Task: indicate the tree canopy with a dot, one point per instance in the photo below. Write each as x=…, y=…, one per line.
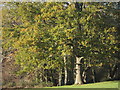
x=42, y=34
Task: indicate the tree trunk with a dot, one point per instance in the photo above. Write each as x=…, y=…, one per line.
x=112, y=71
x=70, y=71
x=84, y=76
x=60, y=78
x=65, y=69
x=93, y=76
x=78, y=79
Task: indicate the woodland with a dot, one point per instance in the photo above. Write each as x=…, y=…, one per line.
x=60, y=43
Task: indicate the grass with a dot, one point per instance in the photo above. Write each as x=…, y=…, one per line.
x=107, y=84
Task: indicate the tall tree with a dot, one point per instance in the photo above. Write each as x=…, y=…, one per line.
x=44, y=34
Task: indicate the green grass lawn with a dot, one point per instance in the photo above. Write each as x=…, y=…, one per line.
x=107, y=84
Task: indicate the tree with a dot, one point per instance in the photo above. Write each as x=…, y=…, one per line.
x=46, y=36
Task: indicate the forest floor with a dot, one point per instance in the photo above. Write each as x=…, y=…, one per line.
x=107, y=84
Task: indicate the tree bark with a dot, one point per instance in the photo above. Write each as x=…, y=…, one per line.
x=93, y=72
x=84, y=74
x=78, y=79
x=60, y=78
x=84, y=77
x=65, y=69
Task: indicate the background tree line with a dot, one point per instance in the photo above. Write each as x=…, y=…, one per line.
x=63, y=43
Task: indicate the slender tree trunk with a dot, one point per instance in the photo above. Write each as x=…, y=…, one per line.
x=78, y=79
x=70, y=71
x=84, y=77
x=65, y=69
x=84, y=74
x=60, y=78
x=113, y=70
x=93, y=71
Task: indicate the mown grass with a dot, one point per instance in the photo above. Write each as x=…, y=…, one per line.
x=107, y=84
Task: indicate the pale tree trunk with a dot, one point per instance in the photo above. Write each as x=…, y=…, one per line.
x=84, y=74
x=78, y=79
x=65, y=69
x=84, y=77
x=60, y=78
